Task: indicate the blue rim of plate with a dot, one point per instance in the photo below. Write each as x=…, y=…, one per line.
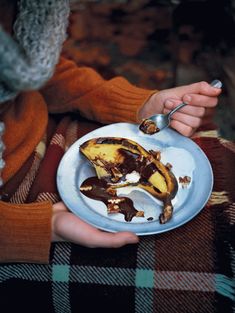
x=73, y=163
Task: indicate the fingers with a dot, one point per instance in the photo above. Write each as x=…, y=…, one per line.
x=195, y=106
x=183, y=129
x=187, y=119
x=202, y=88
x=188, y=109
x=113, y=240
x=190, y=117
x=200, y=100
x=73, y=229
x=187, y=125
x=192, y=121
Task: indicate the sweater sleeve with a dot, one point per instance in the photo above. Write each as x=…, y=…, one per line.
x=82, y=89
x=25, y=232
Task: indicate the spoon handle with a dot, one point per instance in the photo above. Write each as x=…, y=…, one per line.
x=215, y=83
x=181, y=105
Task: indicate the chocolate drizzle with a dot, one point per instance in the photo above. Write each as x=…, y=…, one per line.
x=98, y=189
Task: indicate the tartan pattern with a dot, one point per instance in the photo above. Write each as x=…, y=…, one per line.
x=189, y=269
x=23, y=190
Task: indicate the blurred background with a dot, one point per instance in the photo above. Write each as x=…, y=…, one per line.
x=159, y=44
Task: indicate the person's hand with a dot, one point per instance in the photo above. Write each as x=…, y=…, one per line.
x=200, y=97
x=68, y=227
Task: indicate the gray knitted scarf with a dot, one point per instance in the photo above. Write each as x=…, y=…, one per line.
x=28, y=60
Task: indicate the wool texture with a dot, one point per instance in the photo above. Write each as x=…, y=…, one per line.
x=28, y=60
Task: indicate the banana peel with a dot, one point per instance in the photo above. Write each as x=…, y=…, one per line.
x=123, y=162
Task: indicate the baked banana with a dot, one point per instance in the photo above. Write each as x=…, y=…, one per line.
x=123, y=162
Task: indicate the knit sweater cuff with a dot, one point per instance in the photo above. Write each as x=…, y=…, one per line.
x=116, y=101
x=25, y=234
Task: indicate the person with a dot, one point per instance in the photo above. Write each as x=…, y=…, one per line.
x=38, y=87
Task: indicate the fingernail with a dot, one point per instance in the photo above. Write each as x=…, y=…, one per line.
x=187, y=99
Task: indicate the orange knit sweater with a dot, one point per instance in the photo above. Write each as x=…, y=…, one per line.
x=25, y=229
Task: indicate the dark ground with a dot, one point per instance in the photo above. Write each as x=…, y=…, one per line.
x=159, y=44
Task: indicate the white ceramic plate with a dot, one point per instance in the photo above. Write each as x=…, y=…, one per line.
x=182, y=153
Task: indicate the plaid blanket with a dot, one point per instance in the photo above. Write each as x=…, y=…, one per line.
x=189, y=269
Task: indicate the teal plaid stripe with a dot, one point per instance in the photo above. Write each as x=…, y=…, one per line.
x=143, y=278
x=140, y=278
x=60, y=273
x=60, y=278
x=144, y=281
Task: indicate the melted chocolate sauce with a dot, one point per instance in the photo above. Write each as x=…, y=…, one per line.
x=98, y=189
x=133, y=162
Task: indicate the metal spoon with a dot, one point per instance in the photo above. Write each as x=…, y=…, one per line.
x=163, y=120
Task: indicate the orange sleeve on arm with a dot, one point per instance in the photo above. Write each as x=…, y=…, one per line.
x=25, y=232
x=83, y=89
